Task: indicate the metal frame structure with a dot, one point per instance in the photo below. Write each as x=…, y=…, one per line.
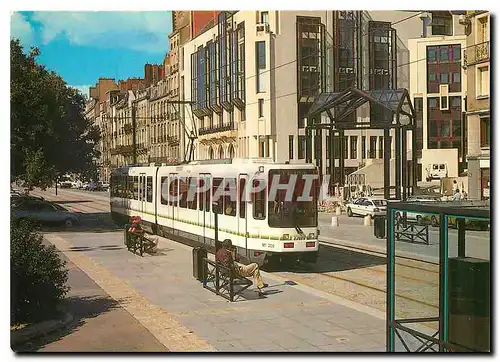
x=394, y=104
x=461, y=211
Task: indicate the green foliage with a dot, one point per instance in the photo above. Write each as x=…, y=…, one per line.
x=49, y=133
x=38, y=275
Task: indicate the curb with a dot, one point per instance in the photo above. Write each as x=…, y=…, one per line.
x=40, y=329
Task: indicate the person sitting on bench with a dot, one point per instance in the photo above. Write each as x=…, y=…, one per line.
x=225, y=257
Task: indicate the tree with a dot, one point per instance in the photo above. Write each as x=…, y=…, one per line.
x=49, y=133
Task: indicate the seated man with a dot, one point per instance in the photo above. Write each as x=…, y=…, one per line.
x=225, y=257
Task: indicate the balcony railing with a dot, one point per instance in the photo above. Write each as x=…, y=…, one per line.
x=215, y=129
x=477, y=53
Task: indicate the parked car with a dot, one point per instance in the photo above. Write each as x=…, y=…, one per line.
x=66, y=184
x=44, y=212
x=367, y=206
x=420, y=218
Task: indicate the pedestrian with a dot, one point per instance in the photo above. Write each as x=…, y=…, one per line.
x=457, y=196
x=225, y=256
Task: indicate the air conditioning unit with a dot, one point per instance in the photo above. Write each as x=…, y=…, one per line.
x=263, y=28
x=463, y=20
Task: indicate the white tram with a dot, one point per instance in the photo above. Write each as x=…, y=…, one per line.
x=262, y=230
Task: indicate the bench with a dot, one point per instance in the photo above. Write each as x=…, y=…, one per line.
x=413, y=233
x=223, y=281
x=139, y=243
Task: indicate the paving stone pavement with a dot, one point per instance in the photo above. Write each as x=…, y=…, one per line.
x=162, y=294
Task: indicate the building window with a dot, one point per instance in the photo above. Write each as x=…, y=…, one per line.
x=419, y=120
x=346, y=148
x=381, y=147
x=363, y=147
x=442, y=23
x=483, y=77
x=264, y=17
x=262, y=148
x=444, y=103
x=373, y=147
x=303, y=109
x=260, y=64
x=354, y=147
x=444, y=66
x=302, y=147
x=483, y=32
x=261, y=108
x=310, y=54
x=485, y=132
x=443, y=126
x=290, y=147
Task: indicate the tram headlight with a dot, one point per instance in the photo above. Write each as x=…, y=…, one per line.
x=311, y=236
x=285, y=237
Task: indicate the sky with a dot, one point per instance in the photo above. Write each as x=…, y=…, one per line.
x=83, y=46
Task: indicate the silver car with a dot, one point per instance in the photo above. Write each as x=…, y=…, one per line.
x=44, y=212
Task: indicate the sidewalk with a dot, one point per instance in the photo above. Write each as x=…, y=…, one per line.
x=161, y=294
x=100, y=324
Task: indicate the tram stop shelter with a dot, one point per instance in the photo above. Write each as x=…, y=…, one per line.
x=439, y=298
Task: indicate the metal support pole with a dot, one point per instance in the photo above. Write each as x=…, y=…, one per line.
x=404, y=161
x=414, y=165
x=398, y=154
x=215, y=207
x=318, y=149
x=308, y=145
x=387, y=165
x=56, y=186
x=443, y=262
x=341, y=180
x=332, y=158
x=461, y=237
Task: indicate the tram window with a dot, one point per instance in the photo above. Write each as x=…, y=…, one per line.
x=149, y=189
x=215, y=185
x=208, y=196
x=135, y=190
x=130, y=187
x=242, y=200
x=172, y=198
x=259, y=201
x=183, y=186
x=192, y=203
x=199, y=194
x=230, y=203
x=164, y=190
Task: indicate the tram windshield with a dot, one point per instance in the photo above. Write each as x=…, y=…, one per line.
x=293, y=212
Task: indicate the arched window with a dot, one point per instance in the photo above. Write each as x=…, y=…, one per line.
x=210, y=153
x=221, y=152
x=230, y=151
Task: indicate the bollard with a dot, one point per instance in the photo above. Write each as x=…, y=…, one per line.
x=338, y=211
x=335, y=221
x=368, y=220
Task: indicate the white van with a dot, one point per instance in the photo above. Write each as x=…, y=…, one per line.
x=436, y=171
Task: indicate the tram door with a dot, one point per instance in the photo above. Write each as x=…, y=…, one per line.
x=243, y=205
x=142, y=193
x=205, y=206
x=173, y=191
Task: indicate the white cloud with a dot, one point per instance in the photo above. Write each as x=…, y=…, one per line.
x=21, y=29
x=83, y=88
x=142, y=31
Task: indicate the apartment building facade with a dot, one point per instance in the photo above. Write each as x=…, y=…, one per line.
x=253, y=76
x=438, y=86
x=476, y=61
